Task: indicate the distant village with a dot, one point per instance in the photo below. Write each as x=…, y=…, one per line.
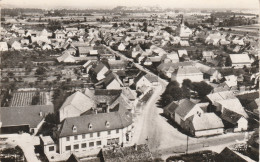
x=84, y=89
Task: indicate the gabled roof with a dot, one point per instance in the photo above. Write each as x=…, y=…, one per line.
x=188, y=70
x=171, y=107
x=240, y=58
x=233, y=105
x=73, y=158
x=109, y=77
x=185, y=106
x=27, y=115
x=213, y=97
x=79, y=101
x=206, y=121
x=99, y=67
x=230, y=116
x=117, y=120
x=229, y=155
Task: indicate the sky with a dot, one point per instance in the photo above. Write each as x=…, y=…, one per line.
x=81, y=4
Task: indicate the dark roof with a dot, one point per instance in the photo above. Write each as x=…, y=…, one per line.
x=171, y=107
x=185, y=106
x=230, y=116
x=128, y=154
x=99, y=67
x=117, y=120
x=73, y=158
x=229, y=155
x=28, y=115
x=109, y=77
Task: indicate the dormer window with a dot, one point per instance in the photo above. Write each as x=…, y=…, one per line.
x=107, y=124
x=74, y=129
x=90, y=126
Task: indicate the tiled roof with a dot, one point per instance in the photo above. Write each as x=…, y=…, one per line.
x=230, y=116
x=206, y=121
x=185, y=106
x=188, y=70
x=79, y=101
x=28, y=115
x=171, y=107
x=117, y=120
x=239, y=58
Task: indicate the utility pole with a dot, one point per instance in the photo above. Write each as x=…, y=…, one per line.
x=187, y=148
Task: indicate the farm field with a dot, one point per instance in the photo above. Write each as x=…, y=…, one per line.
x=25, y=98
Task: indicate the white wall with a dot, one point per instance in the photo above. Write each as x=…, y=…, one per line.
x=68, y=111
x=103, y=138
x=209, y=132
x=242, y=125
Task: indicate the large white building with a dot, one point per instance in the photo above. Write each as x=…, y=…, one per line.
x=94, y=131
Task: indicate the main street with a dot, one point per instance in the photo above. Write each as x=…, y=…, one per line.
x=162, y=138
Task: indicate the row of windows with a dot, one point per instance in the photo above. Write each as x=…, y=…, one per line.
x=91, y=135
x=83, y=145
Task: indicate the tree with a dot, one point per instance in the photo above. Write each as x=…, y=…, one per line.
x=202, y=88
x=40, y=70
x=115, y=25
x=36, y=98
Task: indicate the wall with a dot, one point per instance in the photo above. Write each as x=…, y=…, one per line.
x=103, y=138
x=209, y=132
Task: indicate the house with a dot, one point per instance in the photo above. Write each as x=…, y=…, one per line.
x=112, y=81
x=66, y=57
x=232, y=105
x=228, y=154
x=143, y=79
x=75, y=105
x=136, y=153
x=208, y=55
x=48, y=145
x=117, y=65
x=60, y=34
x=93, y=132
x=231, y=80
x=100, y=70
x=121, y=47
x=3, y=46
x=174, y=57
x=205, y=124
x=23, y=118
x=187, y=72
x=240, y=60
x=16, y=45
x=169, y=110
x=233, y=120
x=182, y=53
x=219, y=96
x=46, y=47
x=212, y=74
x=184, y=43
x=84, y=51
x=185, y=109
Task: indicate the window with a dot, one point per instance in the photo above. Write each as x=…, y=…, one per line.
x=51, y=148
x=90, y=126
x=68, y=138
x=68, y=148
x=91, y=144
x=91, y=134
x=108, y=132
x=98, y=143
x=109, y=142
x=83, y=136
x=117, y=131
x=83, y=145
x=76, y=146
x=74, y=128
x=107, y=124
x=75, y=137
x=98, y=134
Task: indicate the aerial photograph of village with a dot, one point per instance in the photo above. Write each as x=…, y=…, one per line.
x=129, y=81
